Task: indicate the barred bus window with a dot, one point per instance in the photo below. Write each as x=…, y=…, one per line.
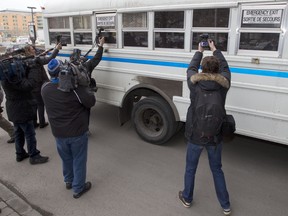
x=135, y=31
x=218, y=17
x=136, y=39
x=83, y=38
x=66, y=37
x=259, y=41
x=58, y=23
x=171, y=19
x=220, y=40
x=169, y=40
x=82, y=22
x=134, y=20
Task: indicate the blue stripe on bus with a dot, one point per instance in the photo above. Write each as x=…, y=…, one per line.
x=270, y=73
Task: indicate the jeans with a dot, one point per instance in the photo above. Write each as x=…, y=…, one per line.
x=73, y=152
x=22, y=131
x=214, y=156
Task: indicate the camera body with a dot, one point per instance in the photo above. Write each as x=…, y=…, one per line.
x=204, y=40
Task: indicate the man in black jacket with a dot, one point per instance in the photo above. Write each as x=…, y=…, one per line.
x=21, y=108
x=215, y=76
x=39, y=77
x=68, y=113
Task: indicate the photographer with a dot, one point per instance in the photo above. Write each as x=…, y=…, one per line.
x=39, y=77
x=68, y=113
x=92, y=63
x=212, y=83
x=21, y=108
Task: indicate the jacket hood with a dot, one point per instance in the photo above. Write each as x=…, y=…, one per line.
x=218, y=78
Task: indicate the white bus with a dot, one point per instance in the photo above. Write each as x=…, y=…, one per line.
x=150, y=46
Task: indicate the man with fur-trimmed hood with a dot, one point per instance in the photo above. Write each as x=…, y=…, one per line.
x=215, y=76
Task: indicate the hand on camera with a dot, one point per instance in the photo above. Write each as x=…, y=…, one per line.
x=200, y=48
x=59, y=46
x=101, y=41
x=211, y=45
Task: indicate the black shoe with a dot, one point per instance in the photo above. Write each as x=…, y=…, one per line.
x=68, y=185
x=87, y=187
x=36, y=125
x=183, y=201
x=22, y=157
x=38, y=159
x=43, y=125
x=11, y=140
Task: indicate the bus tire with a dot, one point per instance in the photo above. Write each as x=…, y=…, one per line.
x=154, y=120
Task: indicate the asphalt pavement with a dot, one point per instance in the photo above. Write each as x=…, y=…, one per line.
x=133, y=178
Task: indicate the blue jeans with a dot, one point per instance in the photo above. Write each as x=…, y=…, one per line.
x=214, y=156
x=25, y=131
x=73, y=152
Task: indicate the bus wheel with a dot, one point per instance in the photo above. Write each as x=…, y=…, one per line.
x=154, y=120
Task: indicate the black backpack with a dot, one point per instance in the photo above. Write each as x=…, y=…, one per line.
x=209, y=113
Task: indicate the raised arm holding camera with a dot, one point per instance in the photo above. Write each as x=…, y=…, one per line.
x=39, y=75
x=208, y=91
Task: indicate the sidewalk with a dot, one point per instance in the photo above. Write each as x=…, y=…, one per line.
x=14, y=205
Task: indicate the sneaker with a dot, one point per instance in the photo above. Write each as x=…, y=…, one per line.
x=68, y=185
x=38, y=159
x=87, y=187
x=11, y=140
x=22, y=157
x=43, y=125
x=183, y=201
x=227, y=211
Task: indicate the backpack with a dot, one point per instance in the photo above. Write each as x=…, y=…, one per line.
x=12, y=70
x=209, y=113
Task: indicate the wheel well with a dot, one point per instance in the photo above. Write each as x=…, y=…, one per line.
x=135, y=94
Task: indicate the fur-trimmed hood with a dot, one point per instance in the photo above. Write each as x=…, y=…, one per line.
x=221, y=80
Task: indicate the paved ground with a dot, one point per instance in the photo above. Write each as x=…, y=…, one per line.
x=133, y=178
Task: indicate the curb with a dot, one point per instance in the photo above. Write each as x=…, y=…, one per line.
x=13, y=205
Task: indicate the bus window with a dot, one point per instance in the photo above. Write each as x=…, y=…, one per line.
x=135, y=31
x=82, y=30
x=261, y=27
x=136, y=39
x=167, y=26
x=220, y=40
x=169, y=40
x=59, y=26
x=107, y=23
x=59, y=23
x=83, y=38
x=66, y=37
x=216, y=24
x=259, y=41
x=171, y=19
x=218, y=17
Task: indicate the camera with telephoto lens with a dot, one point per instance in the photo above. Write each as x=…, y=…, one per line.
x=204, y=40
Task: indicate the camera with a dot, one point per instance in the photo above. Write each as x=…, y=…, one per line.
x=204, y=40
x=58, y=40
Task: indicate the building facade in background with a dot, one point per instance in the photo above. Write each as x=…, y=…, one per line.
x=14, y=23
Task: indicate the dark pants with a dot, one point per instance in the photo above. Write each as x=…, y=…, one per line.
x=40, y=109
x=25, y=131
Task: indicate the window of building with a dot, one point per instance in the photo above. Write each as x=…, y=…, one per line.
x=261, y=28
x=169, y=29
x=215, y=23
x=135, y=30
